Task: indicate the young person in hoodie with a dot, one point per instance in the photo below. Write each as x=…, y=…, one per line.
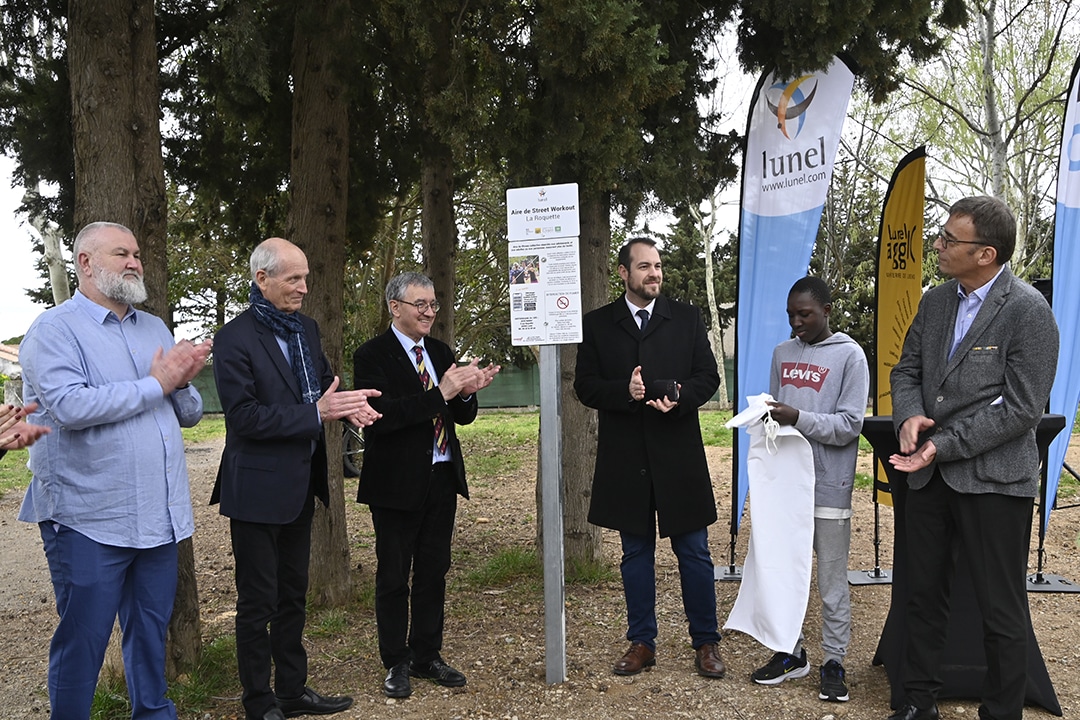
x=821, y=382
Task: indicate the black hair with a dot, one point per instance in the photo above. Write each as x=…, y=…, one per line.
x=817, y=288
x=624, y=251
x=993, y=222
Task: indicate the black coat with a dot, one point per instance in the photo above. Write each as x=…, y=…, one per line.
x=649, y=464
x=398, y=446
x=274, y=444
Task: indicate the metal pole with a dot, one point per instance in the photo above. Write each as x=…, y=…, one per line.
x=552, y=493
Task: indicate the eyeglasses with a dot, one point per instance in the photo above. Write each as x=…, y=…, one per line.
x=947, y=240
x=423, y=306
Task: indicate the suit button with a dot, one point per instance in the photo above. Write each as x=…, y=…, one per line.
x=941, y=398
x=643, y=471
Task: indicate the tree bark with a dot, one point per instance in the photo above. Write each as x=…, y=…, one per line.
x=120, y=177
x=438, y=226
x=581, y=540
x=318, y=191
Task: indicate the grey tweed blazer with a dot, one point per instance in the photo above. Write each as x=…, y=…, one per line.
x=987, y=400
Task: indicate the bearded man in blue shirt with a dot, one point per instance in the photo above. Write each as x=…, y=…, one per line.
x=110, y=485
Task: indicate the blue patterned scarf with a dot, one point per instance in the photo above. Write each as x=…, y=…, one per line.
x=289, y=328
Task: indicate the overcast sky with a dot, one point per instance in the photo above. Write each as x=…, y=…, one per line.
x=16, y=310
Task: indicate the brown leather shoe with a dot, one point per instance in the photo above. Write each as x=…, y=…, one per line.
x=708, y=661
x=636, y=659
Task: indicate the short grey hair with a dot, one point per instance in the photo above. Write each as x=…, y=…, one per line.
x=91, y=232
x=265, y=257
x=87, y=239
x=395, y=289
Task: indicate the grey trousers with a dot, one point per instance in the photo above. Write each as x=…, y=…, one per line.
x=832, y=541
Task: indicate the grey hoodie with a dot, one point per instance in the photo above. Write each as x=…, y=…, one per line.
x=829, y=384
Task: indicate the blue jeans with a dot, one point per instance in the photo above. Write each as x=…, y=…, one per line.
x=93, y=584
x=695, y=575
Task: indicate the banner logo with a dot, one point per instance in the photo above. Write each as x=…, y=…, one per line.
x=791, y=104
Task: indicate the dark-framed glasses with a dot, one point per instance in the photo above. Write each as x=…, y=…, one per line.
x=948, y=239
x=423, y=306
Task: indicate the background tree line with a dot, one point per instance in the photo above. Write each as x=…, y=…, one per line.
x=380, y=136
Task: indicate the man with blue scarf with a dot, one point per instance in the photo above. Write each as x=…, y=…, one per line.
x=277, y=390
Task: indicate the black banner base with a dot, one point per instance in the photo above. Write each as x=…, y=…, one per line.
x=1048, y=583
x=877, y=576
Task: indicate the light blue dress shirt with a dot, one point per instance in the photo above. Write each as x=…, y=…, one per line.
x=968, y=308
x=113, y=467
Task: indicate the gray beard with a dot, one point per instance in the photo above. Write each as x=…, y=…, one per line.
x=115, y=287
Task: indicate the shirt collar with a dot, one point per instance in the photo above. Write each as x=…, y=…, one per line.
x=99, y=313
x=634, y=308
x=407, y=342
x=980, y=292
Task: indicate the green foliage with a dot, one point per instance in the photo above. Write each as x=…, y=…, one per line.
x=110, y=699
x=214, y=677
x=591, y=573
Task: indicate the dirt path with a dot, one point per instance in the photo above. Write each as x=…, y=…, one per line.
x=496, y=634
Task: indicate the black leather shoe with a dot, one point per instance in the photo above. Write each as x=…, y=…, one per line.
x=397, y=684
x=910, y=712
x=312, y=703
x=438, y=671
x=274, y=713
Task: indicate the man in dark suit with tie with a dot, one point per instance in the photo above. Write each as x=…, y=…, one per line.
x=277, y=390
x=413, y=472
x=645, y=364
x=968, y=391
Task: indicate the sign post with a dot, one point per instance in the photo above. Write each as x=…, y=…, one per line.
x=545, y=309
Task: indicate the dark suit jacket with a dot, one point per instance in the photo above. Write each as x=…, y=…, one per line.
x=1010, y=352
x=643, y=454
x=274, y=444
x=398, y=447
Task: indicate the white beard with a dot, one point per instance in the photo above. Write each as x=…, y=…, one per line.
x=127, y=287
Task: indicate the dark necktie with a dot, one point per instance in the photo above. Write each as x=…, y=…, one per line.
x=644, y=315
x=440, y=430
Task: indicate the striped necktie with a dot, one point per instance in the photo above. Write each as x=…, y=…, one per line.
x=425, y=378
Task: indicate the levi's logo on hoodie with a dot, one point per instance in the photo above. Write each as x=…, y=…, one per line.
x=802, y=375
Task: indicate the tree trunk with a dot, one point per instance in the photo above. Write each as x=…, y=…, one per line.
x=318, y=191
x=438, y=226
x=581, y=539
x=119, y=177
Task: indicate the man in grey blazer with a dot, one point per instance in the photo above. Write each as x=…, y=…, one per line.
x=968, y=392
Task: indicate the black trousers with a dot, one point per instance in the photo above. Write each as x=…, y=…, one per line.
x=416, y=542
x=990, y=533
x=271, y=597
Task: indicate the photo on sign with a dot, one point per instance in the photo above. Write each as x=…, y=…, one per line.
x=525, y=270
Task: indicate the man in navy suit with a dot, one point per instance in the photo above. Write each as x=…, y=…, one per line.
x=412, y=474
x=277, y=390
x=968, y=391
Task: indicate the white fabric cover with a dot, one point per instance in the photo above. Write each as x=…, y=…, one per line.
x=775, y=588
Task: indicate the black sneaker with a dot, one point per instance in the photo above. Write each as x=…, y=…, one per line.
x=783, y=666
x=833, y=687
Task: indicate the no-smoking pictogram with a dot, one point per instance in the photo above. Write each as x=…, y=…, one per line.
x=563, y=302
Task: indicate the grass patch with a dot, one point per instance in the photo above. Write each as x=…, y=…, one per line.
x=214, y=677
x=508, y=566
x=331, y=622
x=864, y=481
x=110, y=699
x=211, y=427
x=13, y=472
x=1068, y=486
x=496, y=444
x=591, y=573
x=713, y=432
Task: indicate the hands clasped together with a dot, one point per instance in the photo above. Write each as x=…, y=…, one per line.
x=178, y=366
x=15, y=432
x=465, y=380
x=909, y=459
x=637, y=392
x=352, y=405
